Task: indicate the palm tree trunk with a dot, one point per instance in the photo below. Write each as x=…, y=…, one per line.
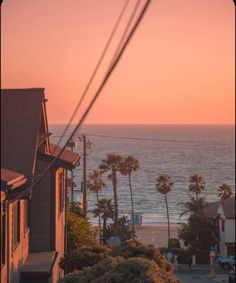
x=114, y=182
x=99, y=221
x=132, y=205
x=104, y=230
x=168, y=219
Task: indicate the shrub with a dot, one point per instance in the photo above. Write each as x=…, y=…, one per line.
x=130, y=249
x=83, y=257
x=120, y=270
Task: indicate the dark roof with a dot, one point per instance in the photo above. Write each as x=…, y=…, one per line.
x=20, y=119
x=68, y=159
x=228, y=206
x=39, y=263
x=11, y=180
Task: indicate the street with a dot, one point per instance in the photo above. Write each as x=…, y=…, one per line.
x=201, y=274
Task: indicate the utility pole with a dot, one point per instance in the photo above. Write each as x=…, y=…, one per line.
x=72, y=145
x=84, y=174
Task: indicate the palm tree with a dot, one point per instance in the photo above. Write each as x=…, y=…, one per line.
x=196, y=184
x=164, y=186
x=128, y=166
x=112, y=164
x=194, y=206
x=225, y=191
x=105, y=208
x=95, y=185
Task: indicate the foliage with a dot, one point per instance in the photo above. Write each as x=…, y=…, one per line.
x=79, y=231
x=199, y=234
x=83, y=257
x=225, y=191
x=120, y=270
x=105, y=209
x=196, y=184
x=194, y=205
x=112, y=164
x=174, y=244
x=164, y=186
x=76, y=208
x=121, y=229
x=130, y=249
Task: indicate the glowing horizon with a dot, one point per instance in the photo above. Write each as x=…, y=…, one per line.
x=179, y=68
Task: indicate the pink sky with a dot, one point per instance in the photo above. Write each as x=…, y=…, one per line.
x=178, y=69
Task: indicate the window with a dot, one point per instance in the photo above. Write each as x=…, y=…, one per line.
x=3, y=239
x=16, y=224
x=61, y=190
x=26, y=215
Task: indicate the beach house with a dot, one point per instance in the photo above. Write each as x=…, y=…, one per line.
x=33, y=234
x=223, y=212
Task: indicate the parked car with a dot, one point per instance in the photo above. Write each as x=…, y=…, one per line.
x=232, y=275
x=226, y=262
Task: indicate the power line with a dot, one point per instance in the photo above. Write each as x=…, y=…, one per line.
x=95, y=70
x=98, y=92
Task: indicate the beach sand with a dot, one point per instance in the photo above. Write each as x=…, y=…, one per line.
x=156, y=235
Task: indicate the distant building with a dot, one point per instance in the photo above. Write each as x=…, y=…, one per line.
x=223, y=212
x=32, y=223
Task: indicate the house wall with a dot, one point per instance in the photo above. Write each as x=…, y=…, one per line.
x=230, y=230
x=40, y=210
x=19, y=253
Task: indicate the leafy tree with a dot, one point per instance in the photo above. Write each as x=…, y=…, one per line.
x=79, y=232
x=164, y=186
x=76, y=208
x=95, y=185
x=83, y=257
x=127, y=167
x=120, y=229
x=199, y=234
x=196, y=185
x=112, y=164
x=120, y=270
x=130, y=249
x=194, y=205
x=105, y=208
x=225, y=191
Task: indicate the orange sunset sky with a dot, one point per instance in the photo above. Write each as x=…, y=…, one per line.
x=178, y=69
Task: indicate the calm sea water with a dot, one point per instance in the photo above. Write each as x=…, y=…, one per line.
x=178, y=151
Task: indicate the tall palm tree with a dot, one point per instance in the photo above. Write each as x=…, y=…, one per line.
x=164, y=186
x=128, y=166
x=225, y=191
x=196, y=184
x=105, y=208
x=112, y=164
x=95, y=185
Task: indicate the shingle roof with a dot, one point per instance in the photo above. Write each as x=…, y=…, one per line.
x=20, y=119
x=68, y=159
x=228, y=206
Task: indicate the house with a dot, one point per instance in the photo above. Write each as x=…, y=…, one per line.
x=223, y=212
x=31, y=253
x=226, y=213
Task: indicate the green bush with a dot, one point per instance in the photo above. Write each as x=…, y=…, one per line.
x=130, y=249
x=83, y=257
x=120, y=270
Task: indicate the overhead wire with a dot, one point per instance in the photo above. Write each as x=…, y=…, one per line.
x=107, y=45
x=94, y=99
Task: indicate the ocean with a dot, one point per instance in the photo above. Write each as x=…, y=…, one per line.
x=176, y=150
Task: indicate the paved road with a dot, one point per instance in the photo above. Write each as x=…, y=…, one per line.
x=197, y=275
